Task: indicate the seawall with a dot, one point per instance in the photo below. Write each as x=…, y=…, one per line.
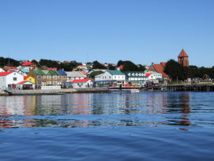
x=51, y=92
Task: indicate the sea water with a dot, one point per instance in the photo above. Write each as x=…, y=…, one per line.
x=108, y=126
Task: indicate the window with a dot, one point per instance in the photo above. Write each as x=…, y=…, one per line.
x=14, y=79
x=39, y=82
x=39, y=76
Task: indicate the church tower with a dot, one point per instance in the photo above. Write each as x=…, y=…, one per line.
x=183, y=58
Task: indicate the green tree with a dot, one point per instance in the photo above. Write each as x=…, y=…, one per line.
x=97, y=65
x=174, y=70
x=36, y=62
x=93, y=74
x=128, y=66
x=111, y=67
x=141, y=67
x=48, y=63
x=119, y=63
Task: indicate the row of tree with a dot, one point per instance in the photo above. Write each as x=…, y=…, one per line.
x=177, y=71
x=8, y=62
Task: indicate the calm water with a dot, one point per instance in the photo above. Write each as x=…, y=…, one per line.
x=139, y=126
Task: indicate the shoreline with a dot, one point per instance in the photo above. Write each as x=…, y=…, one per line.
x=53, y=92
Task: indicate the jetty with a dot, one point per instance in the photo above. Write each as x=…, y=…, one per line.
x=196, y=87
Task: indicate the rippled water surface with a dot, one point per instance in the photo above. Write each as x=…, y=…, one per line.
x=108, y=126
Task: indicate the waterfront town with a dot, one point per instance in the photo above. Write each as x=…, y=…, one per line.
x=48, y=74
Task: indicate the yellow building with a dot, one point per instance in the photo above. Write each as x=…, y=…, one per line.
x=29, y=79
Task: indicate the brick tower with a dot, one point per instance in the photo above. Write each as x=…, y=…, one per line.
x=183, y=58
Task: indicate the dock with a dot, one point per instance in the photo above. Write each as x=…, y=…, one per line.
x=197, y=87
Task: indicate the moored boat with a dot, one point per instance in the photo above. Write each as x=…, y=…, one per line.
x=124, y=88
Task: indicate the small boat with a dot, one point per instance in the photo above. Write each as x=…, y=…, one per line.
x=124, y=88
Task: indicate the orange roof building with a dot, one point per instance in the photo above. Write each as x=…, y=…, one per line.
x=183, y=58
x=159, y=68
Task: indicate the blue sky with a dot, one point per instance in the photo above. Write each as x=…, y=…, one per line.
x=143, y=31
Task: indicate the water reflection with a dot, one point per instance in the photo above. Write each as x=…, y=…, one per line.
x=179, y=103
x=85, y=110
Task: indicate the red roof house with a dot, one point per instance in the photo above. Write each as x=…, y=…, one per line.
x=10, y=68
x=81, y=83
x=80, y=80
x=159, y=68
x=5, y=73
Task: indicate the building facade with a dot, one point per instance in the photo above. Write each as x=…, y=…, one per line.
x=10, y=79
x=74, y=75
x=136, y=77
x=111, y=75
x=45, y=77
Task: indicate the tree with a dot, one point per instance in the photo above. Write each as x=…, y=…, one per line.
x=119, y=63
x=111, y=67
x=174, y=70
x=128, y=66
x=48, y=63
x=93, y=74
x=97, y=65
x=36, y=62
x=141, y=68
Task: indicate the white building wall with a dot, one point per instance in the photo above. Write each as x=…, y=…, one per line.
x=2, y=82
x=103, y=76
x=12, y=78
x=81, y=84
x=108, y=76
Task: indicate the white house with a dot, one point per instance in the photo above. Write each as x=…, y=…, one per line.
x=81, y=83
x=136, y=77
x=154, y=76
x=111, y=75
x=74, y=75
x=10, y=79
x=25, y=85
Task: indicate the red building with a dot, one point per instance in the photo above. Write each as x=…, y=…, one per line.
x=183, y=58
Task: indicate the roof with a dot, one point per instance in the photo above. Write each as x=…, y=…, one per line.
x=39, y=72
x=80, y=80
x=10, y=68
x=183, y=54
x=52, y=72
x=26, y=77
x=45, y=72
x=148, y=74
x=121, y=66
x=105, y=81
x=27, y=64
x=85, y=73
x=160, y=68
x=23, y=82
x=115, y=72
x=24, y=70
x=75, y=74
x=5, y=73
x=61, y=72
